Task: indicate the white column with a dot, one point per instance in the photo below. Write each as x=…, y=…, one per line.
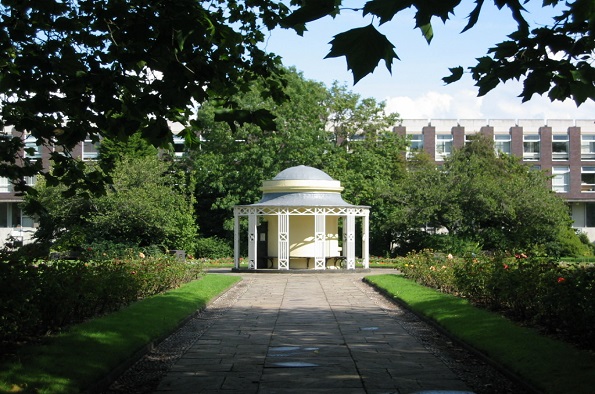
x=236, y=238
x=350, y=240
x=366, y=239
x=319, y=239
x=252, y=232
x=283, y=240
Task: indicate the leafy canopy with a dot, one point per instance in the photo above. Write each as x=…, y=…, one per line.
x=143, y=206
x=72, y=69
x=494, y=201
x=77, y=69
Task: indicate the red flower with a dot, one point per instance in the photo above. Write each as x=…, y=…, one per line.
x=505, y=266
x=561, y=280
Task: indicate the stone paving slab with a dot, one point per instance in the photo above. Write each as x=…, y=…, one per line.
x=301, y=333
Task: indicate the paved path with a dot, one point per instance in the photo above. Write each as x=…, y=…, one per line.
x=307, y=333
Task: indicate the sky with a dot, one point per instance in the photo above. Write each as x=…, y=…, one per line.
x=415, y=89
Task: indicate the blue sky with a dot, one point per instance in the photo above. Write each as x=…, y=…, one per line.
x=415, y=88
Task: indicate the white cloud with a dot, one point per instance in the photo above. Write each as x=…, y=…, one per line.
x=501, y=103
x=434, y=105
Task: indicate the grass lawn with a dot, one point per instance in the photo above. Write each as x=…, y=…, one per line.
x=549, y=365
x=80, y=357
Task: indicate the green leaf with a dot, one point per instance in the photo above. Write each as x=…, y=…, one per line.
x=363, y=49
x=474, y=15
x=455, y=74
x=310, y=11
x=385, y=9
x=581, y=91
x=238, y=117
x=427, y=32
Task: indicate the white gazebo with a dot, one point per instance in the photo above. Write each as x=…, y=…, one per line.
x=296, y=224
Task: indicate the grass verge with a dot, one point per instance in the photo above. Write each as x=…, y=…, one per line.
x=546, y=364
x=80, y=357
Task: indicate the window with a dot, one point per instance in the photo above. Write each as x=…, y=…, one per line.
x=502, y=143
x=90, y=151
x=587, y=179
x=588, y=147
x=531, y=147
x=590, y=219
x=560, y=147
x=179, y=146
x=31, y=180
x=32, y=150
x=5, y=185
x=469, y=138
x=12, y=216
x=416, y=144
x=443, y=145
x=561, y=179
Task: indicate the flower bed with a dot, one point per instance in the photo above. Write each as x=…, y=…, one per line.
x=46, y=296
x=556, y=297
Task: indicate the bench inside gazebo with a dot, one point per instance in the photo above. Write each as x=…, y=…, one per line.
x=296, y=224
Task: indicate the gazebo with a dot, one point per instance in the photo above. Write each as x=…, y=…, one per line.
x=296, y=224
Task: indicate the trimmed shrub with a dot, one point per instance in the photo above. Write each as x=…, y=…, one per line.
x=556, y=297
x=36, y=298
x=213, y=248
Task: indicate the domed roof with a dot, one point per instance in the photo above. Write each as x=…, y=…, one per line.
x=302, y=186
x=302, y=173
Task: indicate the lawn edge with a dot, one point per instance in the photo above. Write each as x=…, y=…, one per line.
x=103, y=383
x=505, y=370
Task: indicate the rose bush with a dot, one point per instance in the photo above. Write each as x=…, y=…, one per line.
x=558, y=298
x=46, y=296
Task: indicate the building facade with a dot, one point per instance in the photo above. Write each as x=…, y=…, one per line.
x=565, y=149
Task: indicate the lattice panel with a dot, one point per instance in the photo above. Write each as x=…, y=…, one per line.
x=283, y=241
x=252, y=258
x=319, y=239
x=246, y=210
x=350, y=241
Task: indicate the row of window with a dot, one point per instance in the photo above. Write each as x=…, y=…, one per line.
x=502, y=143
x=561, y=179
x=33, y=151
x=90, y=148
x=11, y=215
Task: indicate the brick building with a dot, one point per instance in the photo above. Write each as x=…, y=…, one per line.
x=563, y=148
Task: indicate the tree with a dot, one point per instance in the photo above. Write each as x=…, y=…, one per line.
x=332, y=129
x=369, y=170
x=77, y=69
x=555, y=59
x=112, y=152
x=142, y=207
x=232, y=163
x=492, y=200
x=81, y=69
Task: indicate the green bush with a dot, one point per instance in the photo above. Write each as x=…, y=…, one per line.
x=48, y=295
x=212, y=248
x=557, y=297
x=107, y=250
